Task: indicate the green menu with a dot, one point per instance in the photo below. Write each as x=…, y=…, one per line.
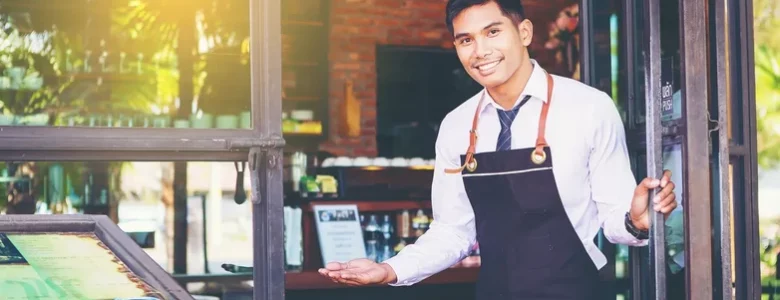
x=64, y=266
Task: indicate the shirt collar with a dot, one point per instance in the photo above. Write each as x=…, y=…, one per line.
x=536, y=88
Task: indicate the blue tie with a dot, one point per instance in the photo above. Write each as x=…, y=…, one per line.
x=505, y=118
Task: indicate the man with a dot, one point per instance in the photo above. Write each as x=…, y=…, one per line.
x=531, y=167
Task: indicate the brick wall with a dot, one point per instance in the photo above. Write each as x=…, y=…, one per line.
x=357, y=26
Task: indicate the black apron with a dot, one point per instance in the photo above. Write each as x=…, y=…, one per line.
x=528, y=246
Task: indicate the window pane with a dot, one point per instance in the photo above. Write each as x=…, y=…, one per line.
x=139, y=197
x=674, y=228
x=769, y=228
x=125, y=63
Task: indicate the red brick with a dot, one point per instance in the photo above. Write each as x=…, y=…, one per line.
x=369, y=122
x=357, y=27
x=370, y=152
x=395, y=4
x=346, y=66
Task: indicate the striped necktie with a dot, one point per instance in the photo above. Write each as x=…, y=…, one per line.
x=505, y=118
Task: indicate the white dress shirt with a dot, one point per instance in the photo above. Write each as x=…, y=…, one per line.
x=590, y=162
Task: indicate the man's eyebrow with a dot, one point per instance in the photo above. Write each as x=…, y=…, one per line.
x=463, y=34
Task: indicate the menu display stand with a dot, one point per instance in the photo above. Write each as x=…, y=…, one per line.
x=78, y=256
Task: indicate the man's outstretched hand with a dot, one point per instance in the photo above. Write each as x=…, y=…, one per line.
x=359, y=272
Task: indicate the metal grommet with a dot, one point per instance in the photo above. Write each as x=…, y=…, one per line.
x=471, y=165
x=538, y=158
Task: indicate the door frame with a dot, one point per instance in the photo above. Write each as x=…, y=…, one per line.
x=715, y=88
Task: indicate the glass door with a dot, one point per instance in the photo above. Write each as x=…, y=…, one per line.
x=620, y=72
x=658, y=74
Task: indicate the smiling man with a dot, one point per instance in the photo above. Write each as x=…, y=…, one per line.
x=531, y=167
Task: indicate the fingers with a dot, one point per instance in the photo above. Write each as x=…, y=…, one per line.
x=646, y=184
x=666, y=177
x=667, y=205
x=335, y=266
x=346, y=277
x=665, y=192
x=652, y=183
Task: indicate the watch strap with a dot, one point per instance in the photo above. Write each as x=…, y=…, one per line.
x=637, y=233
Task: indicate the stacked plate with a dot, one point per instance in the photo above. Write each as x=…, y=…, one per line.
x=363, y=161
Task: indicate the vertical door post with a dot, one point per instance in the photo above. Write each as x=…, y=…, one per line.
x=266, y=162
x=656, y=283
x=697, y=207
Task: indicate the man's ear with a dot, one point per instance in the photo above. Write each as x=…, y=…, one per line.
x=526, y=29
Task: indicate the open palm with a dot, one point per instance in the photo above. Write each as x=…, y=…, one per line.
x=358, y=272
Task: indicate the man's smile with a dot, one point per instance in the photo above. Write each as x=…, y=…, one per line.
x=487, y=68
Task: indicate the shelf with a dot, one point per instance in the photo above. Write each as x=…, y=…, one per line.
x=310, y=280
x=374, y=206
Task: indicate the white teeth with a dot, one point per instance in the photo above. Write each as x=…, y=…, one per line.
x=487, y=66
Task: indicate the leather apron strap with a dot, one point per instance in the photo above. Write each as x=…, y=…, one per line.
x=538, y=156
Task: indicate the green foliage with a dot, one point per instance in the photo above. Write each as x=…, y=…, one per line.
x=767, y=63
x=766, y=15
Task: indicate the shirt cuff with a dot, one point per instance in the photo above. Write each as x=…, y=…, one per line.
x=632, y=240
x=405, y=271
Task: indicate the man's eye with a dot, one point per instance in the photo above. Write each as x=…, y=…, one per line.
x=493, y=32
x=465, y=41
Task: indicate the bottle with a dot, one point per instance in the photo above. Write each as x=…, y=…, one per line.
x=425, y=221
x=386, y=253
x=386, y=229
x=400, y=246
x=404, y=223
x=420, y=223
x=372, y=234
x=371, y=250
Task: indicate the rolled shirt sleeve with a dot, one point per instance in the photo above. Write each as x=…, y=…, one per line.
x=612, y=181
x=452, y=232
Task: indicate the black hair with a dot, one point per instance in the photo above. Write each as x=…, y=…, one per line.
x=512, y=9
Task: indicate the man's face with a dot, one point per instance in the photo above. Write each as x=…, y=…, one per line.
x=490, y=46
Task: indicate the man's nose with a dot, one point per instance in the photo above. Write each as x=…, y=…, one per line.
x=482, y=48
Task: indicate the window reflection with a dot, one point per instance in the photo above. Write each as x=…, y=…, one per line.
x=674, y=228
x=139, y=197
x=131, y=63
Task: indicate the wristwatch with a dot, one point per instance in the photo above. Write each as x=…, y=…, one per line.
x=639, y=234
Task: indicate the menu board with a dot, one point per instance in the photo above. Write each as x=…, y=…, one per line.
x=64, y=266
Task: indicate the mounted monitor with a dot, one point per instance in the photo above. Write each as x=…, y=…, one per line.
x=77, y=257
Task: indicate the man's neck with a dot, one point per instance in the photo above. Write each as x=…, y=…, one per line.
x=506, y=94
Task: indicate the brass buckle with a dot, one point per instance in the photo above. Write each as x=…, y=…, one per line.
x=471, y=165
x=538, y=158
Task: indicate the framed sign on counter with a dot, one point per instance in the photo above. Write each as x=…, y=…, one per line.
x=340, y=234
